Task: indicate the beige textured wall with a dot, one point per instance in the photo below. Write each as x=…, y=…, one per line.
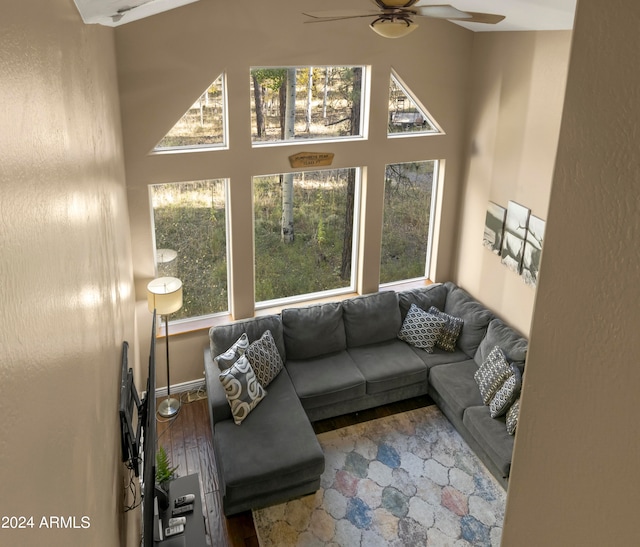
x=514, y=121
x=166, y=61
x=575, y=476
x=66, y=278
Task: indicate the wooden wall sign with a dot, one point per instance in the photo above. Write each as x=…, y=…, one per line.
x=311, y=159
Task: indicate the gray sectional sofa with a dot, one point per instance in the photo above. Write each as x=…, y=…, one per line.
x=343, y=357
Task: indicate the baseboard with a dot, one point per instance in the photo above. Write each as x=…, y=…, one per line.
x=193, y=385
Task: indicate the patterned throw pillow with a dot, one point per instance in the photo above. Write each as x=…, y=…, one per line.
x=512, y=417
x=265, y=358
x=450, y=331
x=242, y=389
x=226, y=359
x=421, y=329
x=506, y=394
x=492, y=374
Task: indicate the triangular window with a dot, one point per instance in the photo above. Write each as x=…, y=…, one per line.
x=406, y=115
x=204, y=125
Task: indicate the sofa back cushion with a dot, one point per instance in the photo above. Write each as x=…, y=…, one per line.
x=424, y=298
x=513, y=345
x=372, y=318
x=476, y=318
x=313, y=330
x=222, y=337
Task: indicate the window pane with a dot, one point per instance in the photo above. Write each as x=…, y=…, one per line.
x=190, y=237
x=203, y=125
x=407, y=216
x=304, y=232
x=406, y=116
x=306, y=103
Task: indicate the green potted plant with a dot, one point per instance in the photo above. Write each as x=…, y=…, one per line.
x=164, y=474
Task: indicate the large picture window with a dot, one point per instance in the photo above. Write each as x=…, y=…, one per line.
x=304, y=233
x=191, y=243
x=306, y=103
x=408, y=218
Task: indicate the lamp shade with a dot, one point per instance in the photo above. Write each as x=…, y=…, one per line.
x=393, y=27
x=164, y=294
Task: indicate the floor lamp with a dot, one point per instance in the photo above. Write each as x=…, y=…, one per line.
x=164, y=294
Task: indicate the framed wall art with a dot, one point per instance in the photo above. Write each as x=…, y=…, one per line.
x=515, y=233
x=494, y=227
x=532, y=250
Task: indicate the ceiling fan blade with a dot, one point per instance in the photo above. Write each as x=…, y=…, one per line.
x=488, y=18
x=442, y=11
x=340, y=14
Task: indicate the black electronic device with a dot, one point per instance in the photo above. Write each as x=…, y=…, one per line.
x=130, y=407
x=149, y=446
x=182, y=510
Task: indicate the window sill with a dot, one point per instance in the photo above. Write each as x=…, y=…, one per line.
x=184, y=326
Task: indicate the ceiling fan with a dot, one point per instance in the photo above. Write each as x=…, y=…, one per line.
x=394, y=18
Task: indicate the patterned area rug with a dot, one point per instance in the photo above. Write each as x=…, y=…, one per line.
x=406, y=479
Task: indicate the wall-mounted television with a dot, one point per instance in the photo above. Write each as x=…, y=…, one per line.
x=138, y=434
x=149, y=448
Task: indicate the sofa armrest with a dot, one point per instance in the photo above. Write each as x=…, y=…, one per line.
x=219, y=408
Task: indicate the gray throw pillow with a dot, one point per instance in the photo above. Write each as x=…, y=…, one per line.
x=506, y=394
x=450, y=331
x=421, y=329
x=242, y=389
x=512, y=417
x=264, y=358
x=492, y=374
x=229, y=357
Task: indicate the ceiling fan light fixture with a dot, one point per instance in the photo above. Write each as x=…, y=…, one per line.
x=388, y=27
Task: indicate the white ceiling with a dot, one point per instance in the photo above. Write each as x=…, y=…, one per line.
x=520, y=14
x=108, y=12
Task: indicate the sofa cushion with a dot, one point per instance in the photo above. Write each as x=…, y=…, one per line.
x=313, y=330
x=237, y=349
x=264, y=358
x=388, y=365
x=371, y=318
x=423, y=297
x=475, y=316
x=222, y=337
x=506, y=394
x=513, y=345
x=491, y=374
x=326, y=380
x=242, y=388
x=450, y=331
x=491, y=434
x=440, y=356
x=456, y=386
x=512, y=417
x=274, y=449
x=421, y=329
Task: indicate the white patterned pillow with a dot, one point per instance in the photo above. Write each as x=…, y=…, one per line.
x=242, y=389
x=492, y=374
x=512, y=417
x=506, y=394
x=226, y=359
x=265, y=358
x=421, y=329
x=451, y=330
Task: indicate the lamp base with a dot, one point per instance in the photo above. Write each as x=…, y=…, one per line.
x=169, y=408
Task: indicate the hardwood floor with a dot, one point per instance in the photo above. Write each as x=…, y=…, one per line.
x=188, y=441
